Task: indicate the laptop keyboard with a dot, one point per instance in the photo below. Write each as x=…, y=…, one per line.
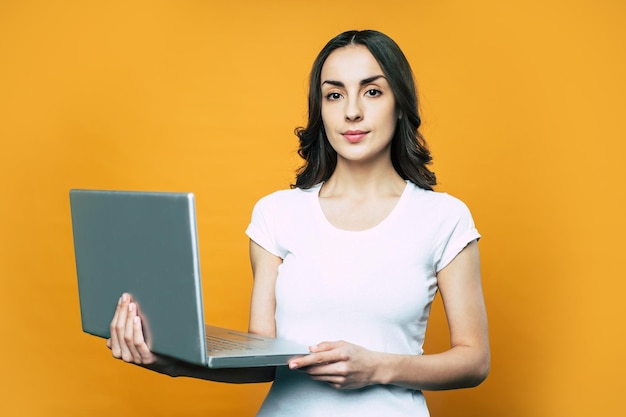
x=217, y=344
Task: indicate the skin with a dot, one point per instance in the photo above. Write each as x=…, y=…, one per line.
x=358, y=109
x=359, y=115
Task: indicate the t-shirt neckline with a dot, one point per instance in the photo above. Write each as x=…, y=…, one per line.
x=323, y=220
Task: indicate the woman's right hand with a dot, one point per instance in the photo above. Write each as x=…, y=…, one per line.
x=127, y=340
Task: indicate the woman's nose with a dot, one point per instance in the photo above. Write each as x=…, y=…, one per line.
x=353, y=110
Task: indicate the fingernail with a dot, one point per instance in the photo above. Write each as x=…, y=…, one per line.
x=131, y=307
x=293, y=365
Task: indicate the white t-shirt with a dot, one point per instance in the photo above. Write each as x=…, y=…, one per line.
x=373, y=288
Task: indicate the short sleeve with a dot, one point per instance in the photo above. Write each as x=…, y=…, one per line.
x=457, y=231
x=262, y=227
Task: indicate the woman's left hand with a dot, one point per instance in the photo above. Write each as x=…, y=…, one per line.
x=341, y=364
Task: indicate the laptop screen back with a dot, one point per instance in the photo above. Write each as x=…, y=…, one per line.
x=145, y=244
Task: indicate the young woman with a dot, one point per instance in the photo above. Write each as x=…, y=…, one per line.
x=349, y=260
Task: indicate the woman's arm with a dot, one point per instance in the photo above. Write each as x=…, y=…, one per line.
x=263, y=304
x=465, y=364
x=127, y=338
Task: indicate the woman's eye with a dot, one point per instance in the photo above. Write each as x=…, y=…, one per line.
x=372, y=92
x=333, y=96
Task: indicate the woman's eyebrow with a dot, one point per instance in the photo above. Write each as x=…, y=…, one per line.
x=362, y=82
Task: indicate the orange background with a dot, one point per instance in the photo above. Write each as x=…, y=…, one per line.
x=524, y=106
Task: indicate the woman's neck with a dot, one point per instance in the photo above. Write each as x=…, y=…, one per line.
x=363, y=181
x=356, y=200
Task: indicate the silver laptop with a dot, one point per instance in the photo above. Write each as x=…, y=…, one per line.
x=146, y=244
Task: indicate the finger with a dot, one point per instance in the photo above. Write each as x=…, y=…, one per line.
x=146, y=355
x=313, y=359
x=324, y=346
x=320, y=371
x=116, y=350
x=120, y=328
x=129, y=330
x=335, y=381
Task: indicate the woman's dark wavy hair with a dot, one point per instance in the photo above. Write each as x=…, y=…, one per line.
x=409, y=152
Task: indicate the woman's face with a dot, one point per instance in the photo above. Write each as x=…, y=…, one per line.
x=358, y=105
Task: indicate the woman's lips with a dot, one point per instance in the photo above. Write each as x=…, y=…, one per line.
x=354, y=136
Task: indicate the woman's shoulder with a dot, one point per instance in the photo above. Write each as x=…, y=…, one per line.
x=436, y=199
x=287, y=197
